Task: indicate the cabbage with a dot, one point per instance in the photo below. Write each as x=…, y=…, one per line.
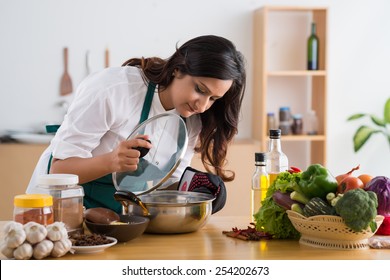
x=381, y=186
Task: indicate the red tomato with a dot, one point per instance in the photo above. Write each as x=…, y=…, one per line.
x=349, y=183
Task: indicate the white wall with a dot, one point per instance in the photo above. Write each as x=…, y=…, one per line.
x=34, y=32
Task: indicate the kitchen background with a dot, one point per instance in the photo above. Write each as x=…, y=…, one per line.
x=34, y=33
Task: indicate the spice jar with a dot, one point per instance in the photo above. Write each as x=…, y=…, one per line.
x=285, y=120
x=33, y=208
x=297, y=127
x=67, y=199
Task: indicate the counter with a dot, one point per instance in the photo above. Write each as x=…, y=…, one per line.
x=210, y=244
x=18, y=160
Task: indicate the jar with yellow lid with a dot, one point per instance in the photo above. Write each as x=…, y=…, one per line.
x=33, y=208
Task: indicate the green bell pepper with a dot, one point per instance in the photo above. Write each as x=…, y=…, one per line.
x=317, y=181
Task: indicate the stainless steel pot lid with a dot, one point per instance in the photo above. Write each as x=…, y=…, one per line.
x=168, y=135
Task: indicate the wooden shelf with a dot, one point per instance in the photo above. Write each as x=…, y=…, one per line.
x=293, y=8
x=281, y=79
x=303, y=138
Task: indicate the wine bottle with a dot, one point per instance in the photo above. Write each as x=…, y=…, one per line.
x=312, y=49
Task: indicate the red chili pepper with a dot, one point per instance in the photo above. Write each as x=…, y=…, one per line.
x=294, y=169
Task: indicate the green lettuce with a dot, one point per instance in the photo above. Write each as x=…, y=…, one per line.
x=273, y=219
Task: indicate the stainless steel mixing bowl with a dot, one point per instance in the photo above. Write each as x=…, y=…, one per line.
x=174, y=211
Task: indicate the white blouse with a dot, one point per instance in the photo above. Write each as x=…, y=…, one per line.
x=106, y=108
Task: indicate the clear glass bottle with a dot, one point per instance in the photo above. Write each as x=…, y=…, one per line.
x=277, y=161
x=260, y=183
x=312, y=49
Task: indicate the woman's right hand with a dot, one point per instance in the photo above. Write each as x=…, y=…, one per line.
x=125, y=157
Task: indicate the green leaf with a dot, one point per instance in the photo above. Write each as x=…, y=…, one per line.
x=362, y=135
x=387, y=111
x=355, y=117
x=378, y=121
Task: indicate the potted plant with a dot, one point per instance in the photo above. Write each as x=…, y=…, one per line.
x=380, y=125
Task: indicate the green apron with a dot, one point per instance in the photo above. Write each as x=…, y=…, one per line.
x=100, y=192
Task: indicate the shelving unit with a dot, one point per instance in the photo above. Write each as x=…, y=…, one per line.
x=281, y=79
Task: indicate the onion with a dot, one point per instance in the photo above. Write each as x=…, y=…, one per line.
x=341, y=177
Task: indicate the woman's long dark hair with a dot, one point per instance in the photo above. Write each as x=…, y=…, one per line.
x=213, y=57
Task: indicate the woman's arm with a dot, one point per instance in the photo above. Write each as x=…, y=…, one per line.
x=123, y=158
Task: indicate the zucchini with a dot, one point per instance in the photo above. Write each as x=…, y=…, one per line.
x=317, y=206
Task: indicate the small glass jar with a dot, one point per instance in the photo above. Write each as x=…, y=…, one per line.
x=285, y=120
x=285, y=127
x=67, y=199
x=297, y=127
x=33, y=208
x=284, y=114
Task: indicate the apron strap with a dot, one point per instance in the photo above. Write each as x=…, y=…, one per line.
x=147, y=102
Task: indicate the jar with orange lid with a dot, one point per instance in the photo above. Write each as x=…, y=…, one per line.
x=33, y=208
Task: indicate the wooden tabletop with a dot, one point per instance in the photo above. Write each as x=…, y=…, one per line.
x=209, y=243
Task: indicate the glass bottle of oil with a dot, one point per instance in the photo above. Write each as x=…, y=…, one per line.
x=260, y=182
x=277, y=161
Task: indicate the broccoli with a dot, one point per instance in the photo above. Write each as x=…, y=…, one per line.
x=358, y=209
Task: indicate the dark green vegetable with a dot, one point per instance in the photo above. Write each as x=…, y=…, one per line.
x=317, y=181
x=317, y=206
x=358, y=209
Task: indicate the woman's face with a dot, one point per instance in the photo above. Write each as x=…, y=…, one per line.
x=193, y=95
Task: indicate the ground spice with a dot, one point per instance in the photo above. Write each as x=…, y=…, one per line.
x=39, y=215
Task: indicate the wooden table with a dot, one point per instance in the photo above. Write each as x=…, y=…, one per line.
x=210, y=244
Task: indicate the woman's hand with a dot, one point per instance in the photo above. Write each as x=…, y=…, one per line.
x=125, y=157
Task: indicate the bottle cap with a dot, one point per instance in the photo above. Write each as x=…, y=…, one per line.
x=270, y=114
x=58, y=179
x=275, y=133
x=33, y=200
x=297, y=116
x=259, y=157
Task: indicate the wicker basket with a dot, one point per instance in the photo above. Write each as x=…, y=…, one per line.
x=330, y=232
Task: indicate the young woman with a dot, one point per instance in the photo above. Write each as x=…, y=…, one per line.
x=203, y=82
